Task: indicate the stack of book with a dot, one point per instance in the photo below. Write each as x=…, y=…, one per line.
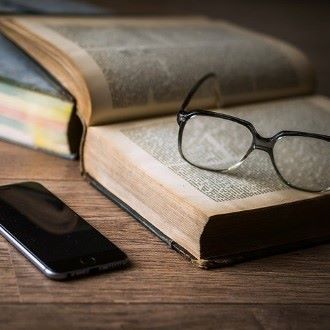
x=114, y=86
x=34, y=109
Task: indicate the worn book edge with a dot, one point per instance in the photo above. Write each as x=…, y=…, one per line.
x=215, y=262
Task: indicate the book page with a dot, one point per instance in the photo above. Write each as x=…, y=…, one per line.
x=139, y=162
x=145, y=67
x=152, y=146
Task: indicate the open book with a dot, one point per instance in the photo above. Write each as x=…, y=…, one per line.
x=130, y=76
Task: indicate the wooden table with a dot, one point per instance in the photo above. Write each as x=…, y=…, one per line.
x=161, y=288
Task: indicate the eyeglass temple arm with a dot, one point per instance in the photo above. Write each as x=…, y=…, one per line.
x=194, y=89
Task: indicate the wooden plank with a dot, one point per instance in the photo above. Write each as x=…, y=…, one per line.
x=19, y=163
x=174, y=280
x=169, y=316
x=159, y=274
x=8, y=283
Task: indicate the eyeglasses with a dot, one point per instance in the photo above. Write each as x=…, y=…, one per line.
x=219, y=142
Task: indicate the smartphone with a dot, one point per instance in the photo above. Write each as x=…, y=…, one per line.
x=51, y=235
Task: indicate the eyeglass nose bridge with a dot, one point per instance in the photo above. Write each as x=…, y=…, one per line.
x=264, y=144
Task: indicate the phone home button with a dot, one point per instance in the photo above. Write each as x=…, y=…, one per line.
x=87, y=261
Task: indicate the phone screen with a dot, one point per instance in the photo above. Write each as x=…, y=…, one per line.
x=50, y=230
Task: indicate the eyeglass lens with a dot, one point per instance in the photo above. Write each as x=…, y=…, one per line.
x=219, y=144
x=215, y=143
x=303, y=162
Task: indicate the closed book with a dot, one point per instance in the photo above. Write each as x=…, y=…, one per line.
x=35, y=110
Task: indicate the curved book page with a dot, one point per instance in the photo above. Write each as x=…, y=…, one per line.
x=139, y=163
x=119, y=69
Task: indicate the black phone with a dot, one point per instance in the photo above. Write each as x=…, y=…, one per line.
x=51, y=235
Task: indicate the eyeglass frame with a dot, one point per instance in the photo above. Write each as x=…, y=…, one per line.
x=258, y=142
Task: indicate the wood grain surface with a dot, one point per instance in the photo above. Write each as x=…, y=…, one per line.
x=160, y=288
